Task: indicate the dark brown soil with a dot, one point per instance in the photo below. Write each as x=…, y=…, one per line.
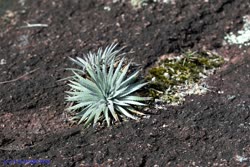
x=208, y=130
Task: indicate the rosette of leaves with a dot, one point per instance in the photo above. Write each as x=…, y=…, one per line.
x=106, y=91
x=101, y=57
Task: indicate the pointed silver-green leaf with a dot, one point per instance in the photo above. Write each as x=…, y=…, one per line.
x=82, y=97
x=74, y=93
x=80, y=88
x=106, y=114
x=77, y=62
x=85, y=84
x=75, y=70
x=82, y=61
x=112, y=110
x=133, y=102
x=130, y=79
x=98, y=112
x=119, y=92
x=123, y=74
x=135, y=111
x=82, y=111
x=89, y=111
x=117, y=71
x=133, y=88
x=94, y=76
x=135, y=98
x=80, y=105
x=110, y=73
x=90, y=118
x=66, y=79
x=122, y=110
x=121, y=103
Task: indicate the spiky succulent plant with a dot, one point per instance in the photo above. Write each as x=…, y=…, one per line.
x=105, y=90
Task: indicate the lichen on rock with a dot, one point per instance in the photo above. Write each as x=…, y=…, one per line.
x=176, y=77
x=242, y=37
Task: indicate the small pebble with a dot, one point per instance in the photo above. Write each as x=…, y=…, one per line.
x=3, y=61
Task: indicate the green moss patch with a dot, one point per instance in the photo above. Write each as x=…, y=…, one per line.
x=174, y=78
